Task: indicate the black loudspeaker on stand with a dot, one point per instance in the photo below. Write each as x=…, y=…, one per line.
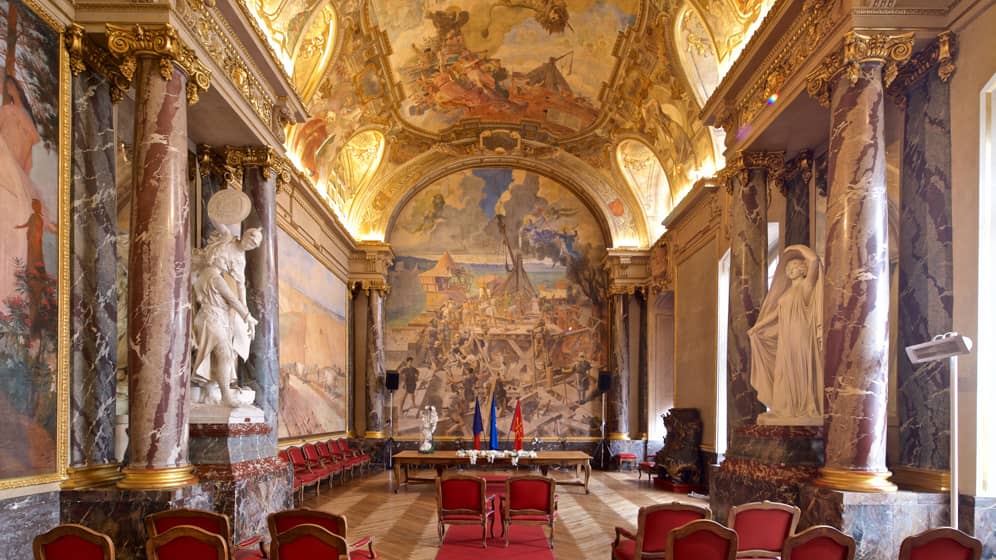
x=391, y=381
x=603, y=454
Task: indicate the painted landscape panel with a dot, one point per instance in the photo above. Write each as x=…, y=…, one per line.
x=497, y=290
x=313, y=344
x=29, y=243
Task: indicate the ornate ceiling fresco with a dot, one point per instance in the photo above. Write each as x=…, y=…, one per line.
x=559, y=84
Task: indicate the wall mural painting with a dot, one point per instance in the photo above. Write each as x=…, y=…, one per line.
x=313, y=344
x=497, y=289
x=504, y=60
x=30, y=245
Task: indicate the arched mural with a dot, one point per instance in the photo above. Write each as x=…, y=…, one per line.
x=697, y=53
x=497, y=289
x=644, y=174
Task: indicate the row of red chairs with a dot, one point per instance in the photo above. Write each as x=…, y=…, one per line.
x=764, y=530
x=323, y=460
x=187, y=534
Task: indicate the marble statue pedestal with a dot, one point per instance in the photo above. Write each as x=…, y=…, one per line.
x=237, y=464
x=765, y=463
x=878, y=521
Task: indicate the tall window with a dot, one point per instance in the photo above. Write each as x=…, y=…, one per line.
x=986, y=343
x=723, y=325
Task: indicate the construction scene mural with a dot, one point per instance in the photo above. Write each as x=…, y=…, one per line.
x=497, y=292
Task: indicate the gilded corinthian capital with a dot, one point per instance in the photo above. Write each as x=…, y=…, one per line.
x=267, y=159
x=772, y=162
x=162, y=41
x=890, y=50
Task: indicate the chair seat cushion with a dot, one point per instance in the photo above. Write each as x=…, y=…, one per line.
x=543, y=518
x=625, y=550
x=449, y=518
x=248, y=554
x=647, y=464
x=626, y=456
x=359, y=554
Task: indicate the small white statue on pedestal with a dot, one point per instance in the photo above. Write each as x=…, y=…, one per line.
x=428, y=418
x=786, y=342
x=223, y=327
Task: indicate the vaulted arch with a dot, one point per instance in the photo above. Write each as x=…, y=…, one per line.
x=642, y=170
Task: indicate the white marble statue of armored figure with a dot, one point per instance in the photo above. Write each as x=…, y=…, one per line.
x=223, y=327
x=428, y=417
x=786, y=342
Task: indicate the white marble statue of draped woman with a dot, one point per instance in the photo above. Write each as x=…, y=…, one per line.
x=786, y=342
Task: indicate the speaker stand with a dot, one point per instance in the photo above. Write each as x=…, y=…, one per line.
x=389, y=442
x=603, y=454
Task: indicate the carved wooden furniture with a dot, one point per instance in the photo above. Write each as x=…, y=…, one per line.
x=942, y=543
x=703, y=539
x=463, y=500
x=762, y=528
x=404, y=460
x=653, y=524
x=680, y=461
x=529, y=500
x=308, y=542
x=282, y=521
x=73, y=542
x=212, y=522
x=186, y=542
x=626, y=459
x=821, y=542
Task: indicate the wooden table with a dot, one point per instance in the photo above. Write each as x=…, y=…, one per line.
x=403, y=460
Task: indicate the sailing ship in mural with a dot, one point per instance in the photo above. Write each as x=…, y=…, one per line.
x=497, y=291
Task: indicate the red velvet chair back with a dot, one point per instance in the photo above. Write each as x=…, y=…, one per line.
x=762, y=527
x=654, y=523
x=311, y=452
x=532, y=494
x=73, y=542
x=308, y=542
x=702, y=539
x=821, y=542
x=212, y=522
x=943, y=543
x=186, y=543
x=283, y=521
x=461, y=494
x=297, y=457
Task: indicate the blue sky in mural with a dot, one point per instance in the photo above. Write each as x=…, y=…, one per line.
x=496, y=182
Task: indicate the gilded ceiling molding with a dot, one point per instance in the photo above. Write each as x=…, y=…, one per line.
x=890, y=50
x=84, y=54
x=629, y=271
x=161, y=41
x=940, y=53
x=661, y=265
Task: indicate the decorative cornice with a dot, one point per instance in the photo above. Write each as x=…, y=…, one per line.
x=161, y=41
x=889, y=50
x=629, y=271
x=368, y=266
x=271, y=163
x=84, y=53
x=940, y=54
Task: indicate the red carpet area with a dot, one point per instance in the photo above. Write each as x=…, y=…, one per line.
x=463, y=542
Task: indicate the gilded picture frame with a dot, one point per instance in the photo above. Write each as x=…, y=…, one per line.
x=39, y=453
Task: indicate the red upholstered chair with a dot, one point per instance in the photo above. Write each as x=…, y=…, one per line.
x=463, y=500
x=283, y=521
x=762, y=528
x=73, y=542
x=302, y=470
x=357, y=453
x=210, y=521
x=324, y=468
x=186, y=542
x=821, y=542
x=703, y=539
x=653, y=523
x=309, y=542
x=625, y=459
x=529, y=500
x=943, y=543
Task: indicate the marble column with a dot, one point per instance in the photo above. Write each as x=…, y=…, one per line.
x=262, y=369
x=617, y=414
x=94, y=296
x=159, y=311
x=926, y=276
x=799, y=171
x=748, y=285
x=856, y=292
x=375, y=383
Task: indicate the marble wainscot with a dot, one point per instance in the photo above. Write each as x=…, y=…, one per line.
x=237, y=466
x=878, y=521
x=765, y=463
x=977, y=517
x=23, y=518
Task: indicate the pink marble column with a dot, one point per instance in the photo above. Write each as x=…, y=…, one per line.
x=375, y=385
x=856, y=294
x=159, y=285
x=617, y=421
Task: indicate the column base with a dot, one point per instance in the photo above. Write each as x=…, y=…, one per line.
x=855, y=481
x=923, y=480
x=619, y=436
x=374, y=435
x=157, y=479
x=92, y=476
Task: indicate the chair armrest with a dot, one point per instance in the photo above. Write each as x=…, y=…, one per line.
x=620, y=532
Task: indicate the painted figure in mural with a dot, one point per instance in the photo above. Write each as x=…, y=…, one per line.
x=223, y=326
x=18, y=136
x=428, y=419
x=581, y=368
x=552, y=15
x=409, y=376
x=34, y=266
x=786, y=342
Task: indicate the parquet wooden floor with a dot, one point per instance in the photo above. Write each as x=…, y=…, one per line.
x=404, y=524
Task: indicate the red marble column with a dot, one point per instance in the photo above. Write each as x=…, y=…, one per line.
x=159, y=285
x=856, y=293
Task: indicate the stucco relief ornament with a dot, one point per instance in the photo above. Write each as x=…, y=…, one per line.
x=786, y=342
x=223, y=327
